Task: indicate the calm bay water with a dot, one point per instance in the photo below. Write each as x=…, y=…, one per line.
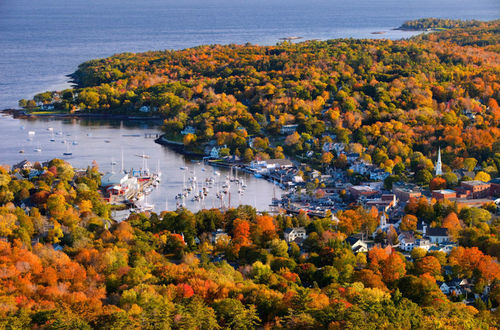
x=104, y=141
x=41, y=41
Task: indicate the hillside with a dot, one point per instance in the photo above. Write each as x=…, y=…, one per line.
x=395, y=102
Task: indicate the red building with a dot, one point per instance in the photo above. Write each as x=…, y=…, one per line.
x=443, y=194
x=478, y=189
x=495, y=187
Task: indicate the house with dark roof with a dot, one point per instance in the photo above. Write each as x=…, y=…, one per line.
x=296, y=235
x=24, y=165
x=357, y=244
x=437, y=235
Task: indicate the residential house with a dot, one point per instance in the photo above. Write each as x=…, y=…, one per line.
x=459, y=286
x=214, y=153
x=295, y=234
x=443, y=287
x=357, y=244
x=437, y=235
x=24, y=165
x=379, y=174
x=217, y=235
x=423, y=243
x=406, y=241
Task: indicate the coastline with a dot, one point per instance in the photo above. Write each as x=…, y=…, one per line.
x=177, y=147
x=22, y=114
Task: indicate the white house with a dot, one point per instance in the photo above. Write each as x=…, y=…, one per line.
x=423, y=244
x=437, y=235
x=217, y=235
x=379, y=174
x=291, y=234
x=357, y=244
x=443, y=287
x=406, y=241
x=214, y=153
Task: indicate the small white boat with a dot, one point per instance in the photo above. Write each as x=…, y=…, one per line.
x=75, y=143
x=67, y=153
x=37, y=150
x=31, y=133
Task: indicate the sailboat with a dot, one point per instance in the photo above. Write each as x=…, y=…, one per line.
x=146, y=206
x=38, y=148
x=67, y=153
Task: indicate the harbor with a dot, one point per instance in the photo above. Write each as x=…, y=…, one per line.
x=103, y=142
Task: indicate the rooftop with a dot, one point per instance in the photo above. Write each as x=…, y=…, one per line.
x=444, y=191
x=475, y=183
x=437, y=232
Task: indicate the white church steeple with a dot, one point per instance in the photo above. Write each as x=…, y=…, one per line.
x=439, y=168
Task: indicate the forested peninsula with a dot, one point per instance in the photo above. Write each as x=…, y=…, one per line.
x=393, y=101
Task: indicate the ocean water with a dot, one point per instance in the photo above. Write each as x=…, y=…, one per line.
x=41, y=41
